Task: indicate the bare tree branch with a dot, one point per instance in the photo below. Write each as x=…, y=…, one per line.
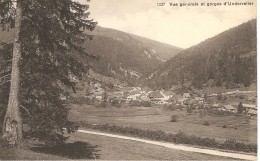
x=26, y=110
x=4, y=82
x=8, y=75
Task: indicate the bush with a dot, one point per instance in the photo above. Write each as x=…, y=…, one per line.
x=102, y=104
x=140, y=103
x=240, y=108
x=4, y=143
x=134, y=103
x=174, y=118
x=146, y=103
x=224, y=126
x=202, y=113
x=172, y=105
x=80, y=100
x=189, y=110
x=239, y=146
x=206, y=123
x=219, y=96
x=241, y=97
x=219, y=112
x=116, y=103
x=179, y=138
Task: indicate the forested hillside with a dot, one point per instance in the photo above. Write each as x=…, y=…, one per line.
x=228, y=59
x=121, y=55
x=162, y=50
x=125, y=56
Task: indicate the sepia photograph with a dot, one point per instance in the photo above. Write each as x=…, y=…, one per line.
x=128, y=80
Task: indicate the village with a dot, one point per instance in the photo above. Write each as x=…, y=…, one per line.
x=136, y=96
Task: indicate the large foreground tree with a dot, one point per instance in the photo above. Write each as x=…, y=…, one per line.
x=46, y=54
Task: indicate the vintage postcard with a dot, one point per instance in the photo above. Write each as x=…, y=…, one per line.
x=128, y=80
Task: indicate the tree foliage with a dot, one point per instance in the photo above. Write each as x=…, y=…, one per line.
x=52, y=33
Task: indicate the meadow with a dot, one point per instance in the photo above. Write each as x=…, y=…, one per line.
x=155, y=118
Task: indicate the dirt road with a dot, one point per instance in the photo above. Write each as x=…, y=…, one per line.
x=175, y=146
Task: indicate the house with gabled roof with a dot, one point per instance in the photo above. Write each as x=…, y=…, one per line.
x=155, y=94
x=157, y=97
x=180, y=99
x=230, y=108
x=252, y=112
x=250, y=106
x=186, y=95
x=133, y=95
x=144, y=97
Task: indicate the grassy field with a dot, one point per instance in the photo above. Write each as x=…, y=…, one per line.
x=92, y=147
x=119, y=149
x=155, y=118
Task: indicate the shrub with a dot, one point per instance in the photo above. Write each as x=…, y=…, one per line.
x=134, y=103
x=179, y=138
x=219, y=112
x=189, y=110
x=170, y=107
x=116, y=102
x=219, y=96
x=241, y=97
x=224, y=126
x=146, y=103
x=87, y=92
x=206, y=123
x=102, y=104
x=240, y=108
x=202, y=113
x=4, y=143
x=239, y=146
x=174, y=118
x=80, y=100
x=140, y=103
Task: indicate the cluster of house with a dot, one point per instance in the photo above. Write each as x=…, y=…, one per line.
x=128, y=94
x=96, y=91
x=250, y=109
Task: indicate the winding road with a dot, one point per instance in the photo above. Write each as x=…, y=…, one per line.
x=176, y=146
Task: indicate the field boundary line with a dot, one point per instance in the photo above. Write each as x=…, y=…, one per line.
x=176, y=146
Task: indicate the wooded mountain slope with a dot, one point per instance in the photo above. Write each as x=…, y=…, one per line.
x=121, y=55
x=227, y=59
x=125, y=56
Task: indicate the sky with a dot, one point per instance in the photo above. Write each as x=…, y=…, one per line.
x=178, y=26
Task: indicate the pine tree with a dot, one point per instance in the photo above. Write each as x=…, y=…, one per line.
x=240, y=108
x=47, y=52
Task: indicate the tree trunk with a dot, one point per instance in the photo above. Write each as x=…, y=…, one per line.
x=12, y=127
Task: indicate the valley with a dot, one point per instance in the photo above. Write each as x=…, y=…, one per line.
x=204, y=96
x=213, y=116
x=214, y=101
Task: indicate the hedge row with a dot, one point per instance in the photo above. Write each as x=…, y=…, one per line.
x=178, y=138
